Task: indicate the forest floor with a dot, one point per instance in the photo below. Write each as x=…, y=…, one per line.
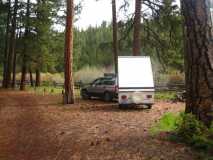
x=36, y=127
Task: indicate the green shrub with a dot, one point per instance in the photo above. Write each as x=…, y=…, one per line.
x=165, y=95
x=194, y=132
x=186, y=129
x=190, y=127
x=168, y=122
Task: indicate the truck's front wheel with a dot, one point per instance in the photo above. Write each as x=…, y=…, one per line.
x=84, y=94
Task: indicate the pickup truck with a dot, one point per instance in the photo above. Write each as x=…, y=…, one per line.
x=103, y=87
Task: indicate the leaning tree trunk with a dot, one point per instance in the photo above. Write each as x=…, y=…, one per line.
x=68, y=55
x=115, y=37
x=199, y=59
x=137, y=28
x=11, y=47
x=6, y=50
x=38, y=78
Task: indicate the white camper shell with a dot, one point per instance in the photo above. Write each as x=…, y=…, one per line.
x=135, y=81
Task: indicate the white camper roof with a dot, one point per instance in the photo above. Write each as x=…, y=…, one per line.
x=135, y=72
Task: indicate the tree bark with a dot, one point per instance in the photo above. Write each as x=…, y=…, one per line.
x=11, y=47
x=14, y=71
x=137, y=28
x=68, y=55
x=6, y=50
x=31, y=78
x=115, y=36
x=198, y=59
x=38, y=78
x=24, y=59
x=14, y=62
x=23, y=77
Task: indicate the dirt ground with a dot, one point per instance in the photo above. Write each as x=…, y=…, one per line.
x=36, y=127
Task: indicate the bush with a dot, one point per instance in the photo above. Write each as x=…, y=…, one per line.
x=176, y=78
x=186, y=129
x=194, y=132
x=49, y=78
x=168, y=122
x=165, y=95
x=190, y=128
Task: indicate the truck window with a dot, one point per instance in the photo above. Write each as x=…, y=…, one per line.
x=109, y=82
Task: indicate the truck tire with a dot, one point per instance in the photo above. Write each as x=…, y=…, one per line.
x=107, y=97
x=149, y=106
x=121, y=106
x=84, y=94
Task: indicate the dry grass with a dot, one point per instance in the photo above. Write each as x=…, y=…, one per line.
x=86, y=75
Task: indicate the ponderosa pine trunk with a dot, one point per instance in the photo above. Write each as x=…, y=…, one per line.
x=199, y=58
x=115, y=35
x=14, y=71
x=38, y=78
x=11, y=52
x=6, y=50
x=68, y=55
x=31, y=78
x=23, y=77
x=137, y=29
x=24, y=56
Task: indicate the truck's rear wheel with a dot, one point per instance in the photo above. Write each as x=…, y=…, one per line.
x=149, y=106
x=107, y=97
x=121, y=106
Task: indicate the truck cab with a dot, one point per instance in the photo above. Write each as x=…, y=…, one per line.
x=103, y=87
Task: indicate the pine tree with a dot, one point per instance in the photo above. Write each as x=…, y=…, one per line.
x=198, y=58
x=6, y=47
x=24, y=56
x=68, y=55
x=137, y=28
x=11, y=52
x=115, y=35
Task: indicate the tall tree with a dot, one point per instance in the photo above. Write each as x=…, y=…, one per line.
x=137, y=28
x=11, y=46
x=6, y=50
x=24, y=56
x=199, y=58
x=68, y=55
x=14, y=68
x=31, y=78
x=115, y=35
x=38, y=78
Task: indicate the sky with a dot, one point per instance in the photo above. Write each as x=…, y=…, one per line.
x=94, y=13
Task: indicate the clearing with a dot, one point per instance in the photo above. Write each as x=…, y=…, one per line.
x=36, y=127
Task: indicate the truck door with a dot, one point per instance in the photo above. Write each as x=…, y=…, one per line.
x=95, y=87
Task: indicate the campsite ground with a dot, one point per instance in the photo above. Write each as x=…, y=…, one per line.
x=36, y=127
